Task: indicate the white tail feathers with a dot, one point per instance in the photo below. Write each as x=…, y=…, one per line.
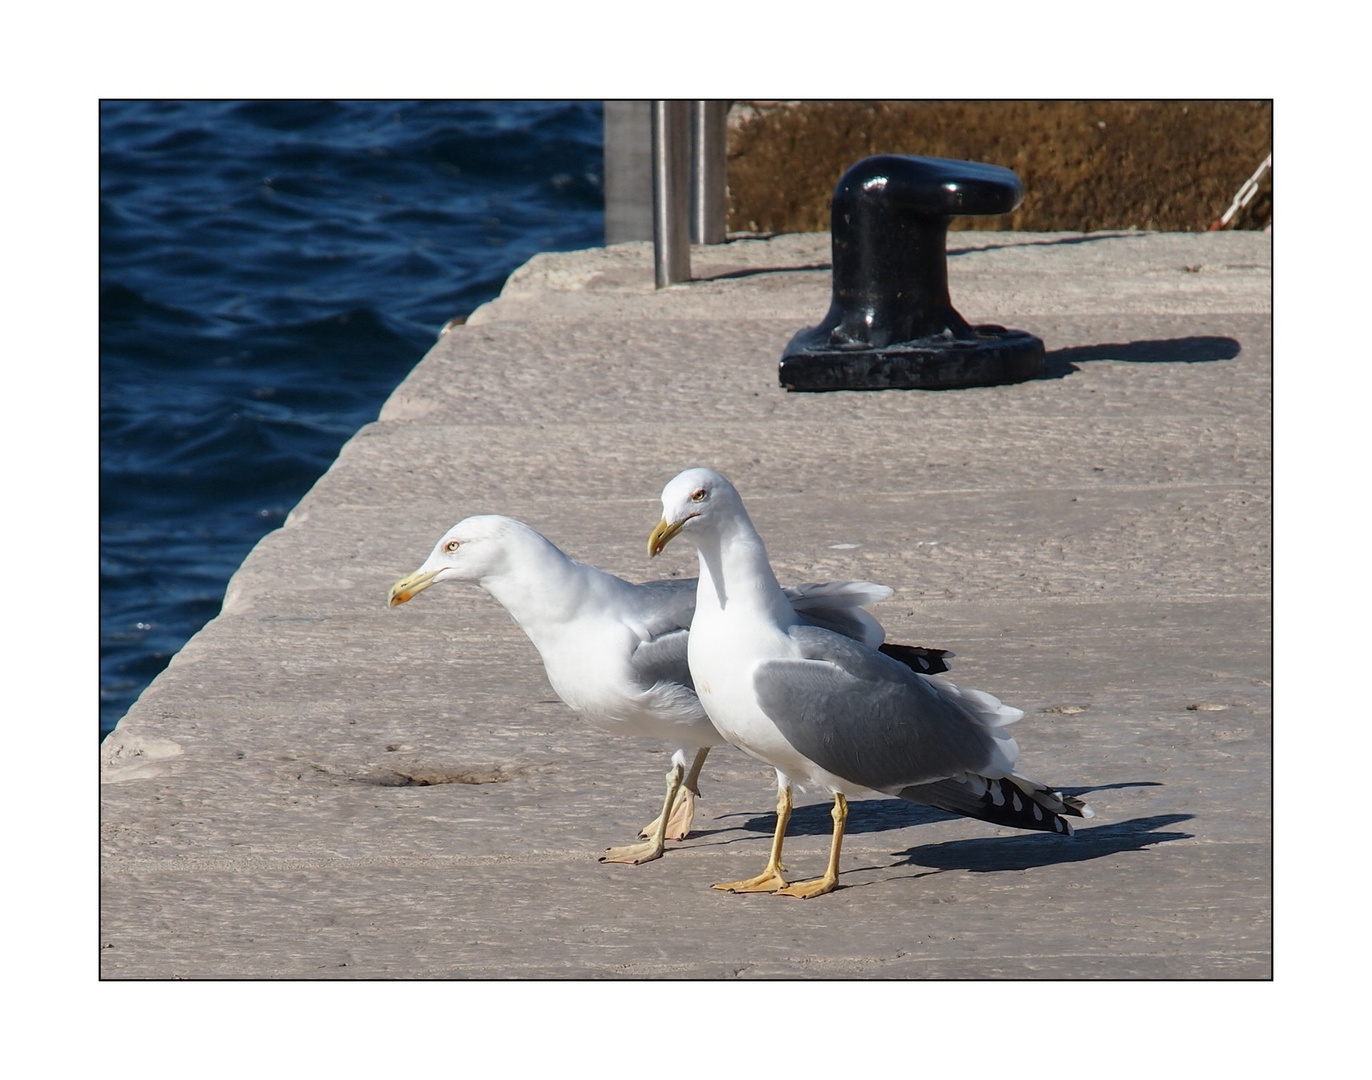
x=837, y=606
x=837, y=594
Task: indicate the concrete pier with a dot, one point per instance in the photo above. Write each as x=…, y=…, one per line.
x=320, y=787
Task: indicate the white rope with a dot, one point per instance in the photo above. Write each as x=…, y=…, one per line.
x=1244, y=196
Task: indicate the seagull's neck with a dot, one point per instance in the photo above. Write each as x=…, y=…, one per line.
x=541, y=587
x=735, y=573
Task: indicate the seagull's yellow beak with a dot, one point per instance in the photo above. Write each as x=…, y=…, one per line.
x=662, y=535
x=408, y=586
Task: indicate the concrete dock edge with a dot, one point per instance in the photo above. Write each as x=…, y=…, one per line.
x=320, y=787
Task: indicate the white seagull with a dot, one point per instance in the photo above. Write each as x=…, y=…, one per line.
x=827, y=711
x=615, y=652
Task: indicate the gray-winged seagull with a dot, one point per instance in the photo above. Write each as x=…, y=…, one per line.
x=827, y=711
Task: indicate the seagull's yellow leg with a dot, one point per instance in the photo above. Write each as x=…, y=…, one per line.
x=770, y=880
x=819, y=886
x=684, y=812
x=652, y=849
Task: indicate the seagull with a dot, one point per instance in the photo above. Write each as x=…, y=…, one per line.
x=615, y=652
x=827, y=711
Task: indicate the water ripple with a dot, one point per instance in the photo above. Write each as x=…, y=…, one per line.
x=268, y=272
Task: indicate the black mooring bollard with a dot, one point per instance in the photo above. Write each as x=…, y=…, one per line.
x=891, y=324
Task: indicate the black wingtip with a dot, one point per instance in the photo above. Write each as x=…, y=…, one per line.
x=917, y=657
x=1013, y=800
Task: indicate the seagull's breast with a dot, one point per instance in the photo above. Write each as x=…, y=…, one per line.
x=724, y=652
x=589, y=667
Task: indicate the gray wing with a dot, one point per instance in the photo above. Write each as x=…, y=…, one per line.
x=663, y=659
x=867, y=718
x=667, y=605
x=667, y=609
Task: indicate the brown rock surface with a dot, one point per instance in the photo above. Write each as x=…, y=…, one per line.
x=1171, y=166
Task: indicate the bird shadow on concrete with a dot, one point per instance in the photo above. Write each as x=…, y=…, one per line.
x=864, y=816
x=1058, y=363
x=871, y=815
x=989, y=854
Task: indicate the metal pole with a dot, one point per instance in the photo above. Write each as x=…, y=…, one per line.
x=708, y=184
x=671, y=192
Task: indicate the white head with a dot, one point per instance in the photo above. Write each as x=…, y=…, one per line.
x=696, y=499
x=471, y=550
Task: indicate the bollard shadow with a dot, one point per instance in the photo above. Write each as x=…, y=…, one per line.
x=1058, y=363
x=990, y=854
x=952, y=252
x=1061, y=241
x=754, y=271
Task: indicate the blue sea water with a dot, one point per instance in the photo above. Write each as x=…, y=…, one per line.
x=269, y=271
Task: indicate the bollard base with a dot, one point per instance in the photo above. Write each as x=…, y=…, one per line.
x=993, y=355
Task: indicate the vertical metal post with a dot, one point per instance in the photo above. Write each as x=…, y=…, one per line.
x=709, y=143
x=671, y=192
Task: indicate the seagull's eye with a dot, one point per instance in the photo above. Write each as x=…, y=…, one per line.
x=452, y=545
x=698, y=495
